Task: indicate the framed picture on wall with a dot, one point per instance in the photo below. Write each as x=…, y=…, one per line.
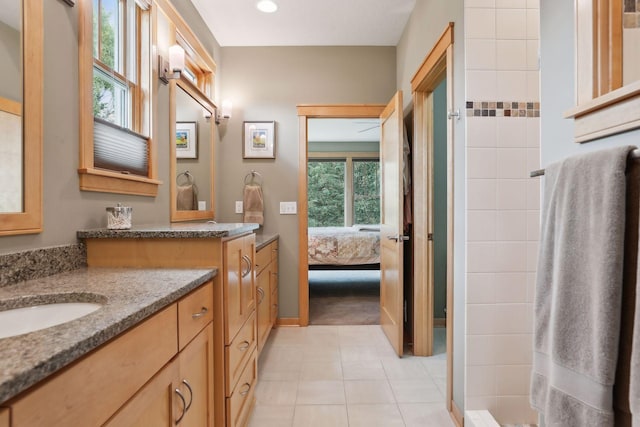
x=259, y=140
x=186, y=140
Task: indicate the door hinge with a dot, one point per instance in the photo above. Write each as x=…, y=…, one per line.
x=430, y=237
x=453, y=113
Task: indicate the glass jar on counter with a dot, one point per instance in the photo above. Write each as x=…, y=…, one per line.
x=119, y=217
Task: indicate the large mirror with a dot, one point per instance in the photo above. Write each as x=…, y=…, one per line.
x=192, y=130
x=21, y=116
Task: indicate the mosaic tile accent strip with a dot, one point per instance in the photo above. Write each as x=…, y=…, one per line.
x=503, y=109
x=42, y=262
x=631, y=14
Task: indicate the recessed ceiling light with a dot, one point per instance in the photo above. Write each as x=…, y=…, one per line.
x=267, y=6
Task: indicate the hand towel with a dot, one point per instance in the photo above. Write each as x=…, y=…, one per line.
x=187, y=198
x=579, y=289
x=253, y=204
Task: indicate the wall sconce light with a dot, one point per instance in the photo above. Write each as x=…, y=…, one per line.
x=224, y=112
x=172, y=68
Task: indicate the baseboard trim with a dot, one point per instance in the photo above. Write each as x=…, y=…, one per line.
x=288, y=321
x=456, y=415
x=439, y=322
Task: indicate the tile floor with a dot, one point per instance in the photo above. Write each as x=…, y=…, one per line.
x=338, y=376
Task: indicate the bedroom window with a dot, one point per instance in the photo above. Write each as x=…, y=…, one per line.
x=343, y=190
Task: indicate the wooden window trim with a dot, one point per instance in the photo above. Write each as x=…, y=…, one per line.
x=603, y=105
x=91, y=178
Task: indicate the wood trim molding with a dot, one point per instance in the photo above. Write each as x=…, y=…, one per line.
x=434, y=57
x=30, y=220
x=288, y=321
x=456, y=415
x=437, y=65
x=112, y=182
x=340, y=110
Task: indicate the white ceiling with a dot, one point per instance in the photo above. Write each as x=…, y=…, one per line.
x=343, y=130
x=307, y=22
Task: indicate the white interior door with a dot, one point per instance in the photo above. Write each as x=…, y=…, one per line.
x=391, y=224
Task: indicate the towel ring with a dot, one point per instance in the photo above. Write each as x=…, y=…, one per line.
x=187, y=174
x=252, y=178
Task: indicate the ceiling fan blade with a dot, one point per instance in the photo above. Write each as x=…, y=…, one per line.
x=369, y=128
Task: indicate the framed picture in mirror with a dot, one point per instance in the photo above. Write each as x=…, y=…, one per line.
x=186, y=140
x=259, y=140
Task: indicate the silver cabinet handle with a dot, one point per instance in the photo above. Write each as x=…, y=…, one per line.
x=243, y=345
x=204, y=311
x=245, y=392
x=261, y=292
x=186, y=383
x=184, y=405
x=249, y=265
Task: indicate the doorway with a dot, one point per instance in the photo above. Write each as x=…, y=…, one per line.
x=432, y=82
x=343, y=200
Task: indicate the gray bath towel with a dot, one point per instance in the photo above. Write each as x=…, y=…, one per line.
x=579, y=289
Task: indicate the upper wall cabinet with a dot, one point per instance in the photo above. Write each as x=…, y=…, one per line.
x=117, y=150
x=607, y=68
x=21, y=23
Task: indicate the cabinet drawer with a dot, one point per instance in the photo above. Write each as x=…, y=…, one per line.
x=241, y=400
x=102, y=381
x=195, y=311
x=263, y=258
x=239, y=351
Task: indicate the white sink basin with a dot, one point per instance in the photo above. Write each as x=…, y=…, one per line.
x=20, y=321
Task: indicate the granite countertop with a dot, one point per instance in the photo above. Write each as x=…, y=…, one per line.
x=263, y=240
x=185, y=230
x=129, y=296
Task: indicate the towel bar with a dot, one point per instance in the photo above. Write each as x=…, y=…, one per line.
x=252, y=175
x=635, y=154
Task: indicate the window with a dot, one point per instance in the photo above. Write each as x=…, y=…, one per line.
x=116, y=152
x=343, y=190
x=607, y=68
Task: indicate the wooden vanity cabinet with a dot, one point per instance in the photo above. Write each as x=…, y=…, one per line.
x=131, y=380
x=234, y=305
x=180, y=394
x=266, y=290
x=4, y=417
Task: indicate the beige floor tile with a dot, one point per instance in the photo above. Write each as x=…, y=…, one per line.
x=416, y=391
x=276, y=392
x=375, y=416
x=356, y=335
x=406, y=368
x=320, y=416
x=368, y=391
x=322, y=354
x=363, y=370
x=320, y=393
x=425, y=414
x=321, y=371
x=359, y=353
x=271, y=416
x=288, y=336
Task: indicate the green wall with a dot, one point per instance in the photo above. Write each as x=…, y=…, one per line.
x=440, y=199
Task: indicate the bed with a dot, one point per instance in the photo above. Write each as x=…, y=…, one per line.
x=344, y=247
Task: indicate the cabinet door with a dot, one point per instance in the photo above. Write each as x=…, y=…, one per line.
x=4, y=417
x=154, y=405
x=263, y=294
x=196, y=379
x=239, y=292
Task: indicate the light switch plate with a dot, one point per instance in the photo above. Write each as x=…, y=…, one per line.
x=288, y=208
x=239, y=207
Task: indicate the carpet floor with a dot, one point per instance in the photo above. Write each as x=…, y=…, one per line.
x=344, y=297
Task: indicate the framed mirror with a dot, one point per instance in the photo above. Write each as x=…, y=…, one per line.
x=192, y=118
x=21, y=86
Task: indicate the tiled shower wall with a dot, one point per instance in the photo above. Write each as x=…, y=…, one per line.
x=503, y=146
